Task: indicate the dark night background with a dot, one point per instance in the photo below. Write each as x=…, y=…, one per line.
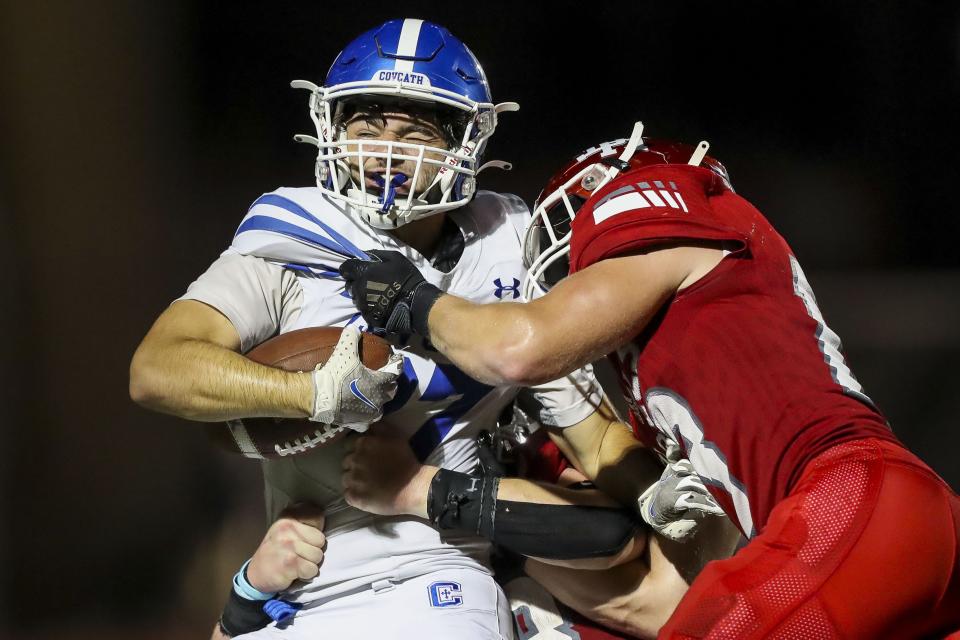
x=133, y=136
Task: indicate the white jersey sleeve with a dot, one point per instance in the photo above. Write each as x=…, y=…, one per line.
x=563, y=402
x=259, y=298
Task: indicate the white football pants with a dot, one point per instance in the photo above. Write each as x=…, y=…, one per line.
x=451, y=603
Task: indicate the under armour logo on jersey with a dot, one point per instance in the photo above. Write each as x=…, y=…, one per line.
x=639, y=196
x=445, y=594
x=501, y=288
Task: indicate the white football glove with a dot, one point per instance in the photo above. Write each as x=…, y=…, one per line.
x=677, y=503
x=349, y=394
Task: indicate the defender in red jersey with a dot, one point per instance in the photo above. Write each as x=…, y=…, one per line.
x=738, y=368
x=723, y=351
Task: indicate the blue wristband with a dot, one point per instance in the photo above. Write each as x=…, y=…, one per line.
x=244, y=589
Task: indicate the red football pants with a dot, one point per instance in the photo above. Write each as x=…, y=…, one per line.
x=865, y=546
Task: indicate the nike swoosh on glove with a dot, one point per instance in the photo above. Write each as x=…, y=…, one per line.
x=349, y=394
x=677, y=503
x=390, y=292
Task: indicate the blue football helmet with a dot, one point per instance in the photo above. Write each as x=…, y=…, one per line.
x=399, y=61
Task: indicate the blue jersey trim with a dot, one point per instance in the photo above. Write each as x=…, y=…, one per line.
x=447, y=380
x=266, y=223
x=322, y=271
x=294, y=208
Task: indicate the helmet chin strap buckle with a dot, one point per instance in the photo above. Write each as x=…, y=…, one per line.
x=389, y=190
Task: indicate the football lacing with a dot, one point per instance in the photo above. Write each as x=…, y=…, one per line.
x=301, y=445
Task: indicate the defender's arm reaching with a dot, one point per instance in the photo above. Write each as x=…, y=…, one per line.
x=526, y=344
x=532, y=518
x=527, y=517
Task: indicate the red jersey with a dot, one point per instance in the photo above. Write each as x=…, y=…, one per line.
x=740, y=368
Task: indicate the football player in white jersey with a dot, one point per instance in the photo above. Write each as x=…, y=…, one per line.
x=402, y=121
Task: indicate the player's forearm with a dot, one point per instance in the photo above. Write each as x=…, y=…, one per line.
x=586, y=316
x=494, y=343
x=638, y=597
x=606, y=451
x=530, y=518
x=509, y=489
x=625, y=468
x=629, y=598
x=626, y=551
x=202, y=381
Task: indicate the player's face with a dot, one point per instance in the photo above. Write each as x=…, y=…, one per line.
x=395, y=126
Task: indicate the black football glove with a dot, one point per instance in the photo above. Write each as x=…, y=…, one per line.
x=390, y=292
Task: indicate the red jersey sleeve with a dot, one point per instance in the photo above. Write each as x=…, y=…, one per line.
x=644, y=208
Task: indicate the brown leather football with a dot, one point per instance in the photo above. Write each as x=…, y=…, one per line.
x=300, y=350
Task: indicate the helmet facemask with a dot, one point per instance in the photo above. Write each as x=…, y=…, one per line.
x=546, y=247
x=377, y=196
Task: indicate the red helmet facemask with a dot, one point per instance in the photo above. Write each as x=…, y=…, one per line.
x=547, y=244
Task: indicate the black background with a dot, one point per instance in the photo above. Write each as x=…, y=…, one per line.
x=133, y=136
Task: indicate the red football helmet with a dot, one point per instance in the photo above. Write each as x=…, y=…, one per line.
x=547, y=243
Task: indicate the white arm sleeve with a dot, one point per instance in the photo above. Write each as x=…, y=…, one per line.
x=563, y=402
x=258, y=297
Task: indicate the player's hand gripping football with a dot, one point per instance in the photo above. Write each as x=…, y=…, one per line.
x=382, y=476
x=390, y=292
x=349, y=394
x=291, y=550
x=676, y=504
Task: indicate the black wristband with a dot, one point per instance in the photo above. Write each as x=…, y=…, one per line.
x=424, y=297
x=557, y=531
x=471, y=503
x=242, y=616
x=461, y=501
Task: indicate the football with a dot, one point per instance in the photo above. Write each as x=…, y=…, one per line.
x=300, y=350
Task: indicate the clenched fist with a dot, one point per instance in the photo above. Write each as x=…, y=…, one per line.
x=381, y=475
x=390, y=292
x=291, y=550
